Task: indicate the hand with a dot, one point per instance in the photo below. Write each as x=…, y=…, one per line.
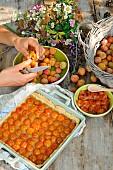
x=22, y=45
x=13, y=77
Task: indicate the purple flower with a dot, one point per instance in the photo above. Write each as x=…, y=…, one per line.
x=71, y=45
x=47, y=35
x=72, y=22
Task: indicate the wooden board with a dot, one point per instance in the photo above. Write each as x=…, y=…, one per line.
x=93, y=150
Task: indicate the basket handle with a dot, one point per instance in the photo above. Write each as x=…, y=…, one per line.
x=79, y=31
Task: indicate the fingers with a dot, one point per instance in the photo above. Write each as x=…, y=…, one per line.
x=39, y=49
x=30, y=76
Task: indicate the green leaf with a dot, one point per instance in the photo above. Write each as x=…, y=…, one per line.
x=51, y=31
x=58, y=28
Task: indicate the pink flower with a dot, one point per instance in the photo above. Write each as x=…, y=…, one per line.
x=33, y=8
x=72, y=35
x=47, y=35
x=72, y=22
x=62, y=41
x=38, y=6
x=54, y=42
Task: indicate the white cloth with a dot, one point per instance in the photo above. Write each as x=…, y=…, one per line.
x=10, y=101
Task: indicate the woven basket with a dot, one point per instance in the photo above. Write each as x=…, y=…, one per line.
x=97, y=32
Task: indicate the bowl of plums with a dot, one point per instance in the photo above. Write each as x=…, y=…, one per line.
x=93, y=104
x=54, y=58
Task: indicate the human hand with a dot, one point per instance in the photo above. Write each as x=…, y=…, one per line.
x=13, y=77
x=22, y=45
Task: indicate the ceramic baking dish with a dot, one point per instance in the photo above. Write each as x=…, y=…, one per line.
x=64, y=103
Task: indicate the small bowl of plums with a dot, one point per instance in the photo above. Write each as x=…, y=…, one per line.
x=93, y=104
x=54, y=58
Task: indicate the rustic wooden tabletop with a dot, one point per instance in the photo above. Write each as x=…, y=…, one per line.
x=93, y=150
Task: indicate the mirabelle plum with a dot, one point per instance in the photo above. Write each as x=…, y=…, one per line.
x=52, y=51
x=105, y=61
x=41, y=57
x=54, y=79
x=33, y=63
x=98, y=52
x=58, y=70
x=49, y=78
x=81, y=71
x=110, y=64
x=110, y=39
x=109, y=52
x=44, y=81
x=104, y=41
x=46, y=53
x=42, y=64
x=40, y=73
x=108, y=45
x=104, y=48
x=63, y=65
x=74, y=78
x=44, y=76
x=52, y=73
x=97, y=60
x=102, y=55
x=80, y=82
x=88, y=68
x=46, y=71
x=57, y=64
x=57, y=75
x=102, y=66
x=111, y=47
x=109, y=58
x=46, y=60
x=52, y=61
x=109, y=70
x=93, y=78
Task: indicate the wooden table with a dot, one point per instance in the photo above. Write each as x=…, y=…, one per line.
x=93, y=150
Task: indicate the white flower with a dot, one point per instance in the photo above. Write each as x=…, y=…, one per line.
x=43, y=9
x=67, y=41
x=65, y=16
x=23, y=32
x=52, y=25
x=55, y=9
x=67, y=8
x=58, y=5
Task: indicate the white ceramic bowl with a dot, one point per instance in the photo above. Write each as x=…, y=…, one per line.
x=59, y=55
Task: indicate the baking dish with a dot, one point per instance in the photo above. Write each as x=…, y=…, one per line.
x=64, y=104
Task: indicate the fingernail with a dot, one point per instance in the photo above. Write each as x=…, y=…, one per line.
x=37, y=55
x=29, y=60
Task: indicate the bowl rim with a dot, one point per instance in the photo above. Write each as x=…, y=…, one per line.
x=62, y=78
x=89, y=114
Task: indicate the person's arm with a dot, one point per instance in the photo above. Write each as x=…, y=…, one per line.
x=13, y=77
x=20, y=43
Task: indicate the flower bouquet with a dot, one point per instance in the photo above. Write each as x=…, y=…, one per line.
x=50, y=24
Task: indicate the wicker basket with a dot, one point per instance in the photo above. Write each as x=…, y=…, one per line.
x=98, y=31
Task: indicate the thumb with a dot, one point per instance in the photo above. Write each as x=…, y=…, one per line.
x=24, y=64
